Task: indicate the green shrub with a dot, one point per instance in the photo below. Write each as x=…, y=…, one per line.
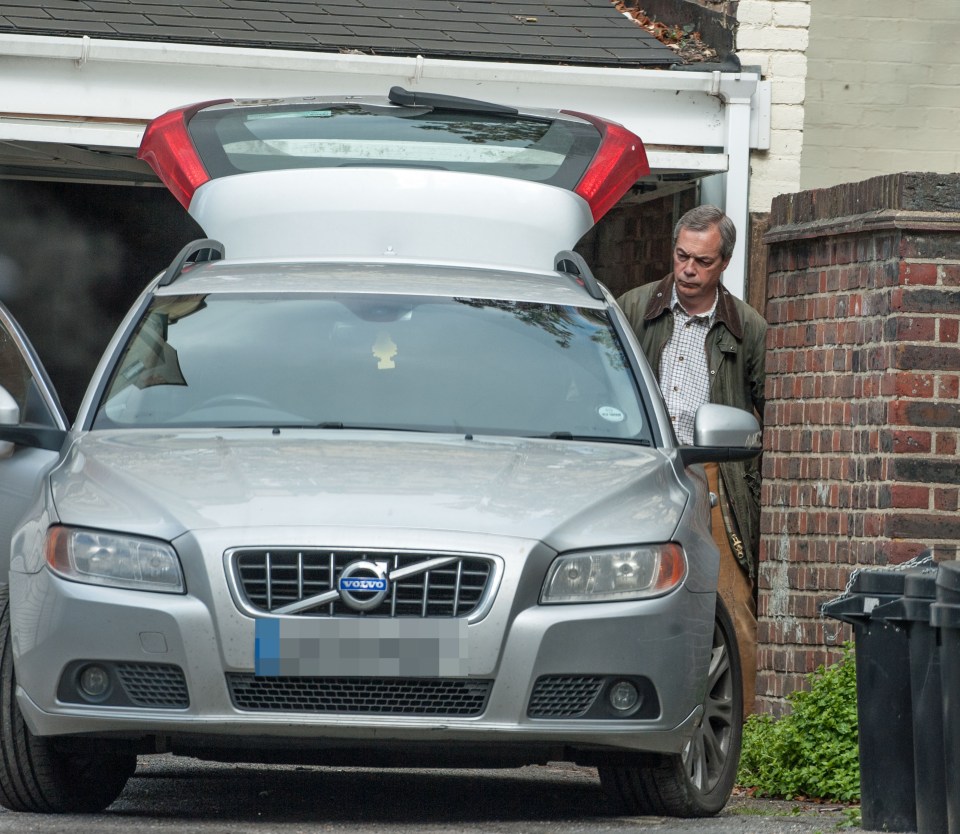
x=812, y=751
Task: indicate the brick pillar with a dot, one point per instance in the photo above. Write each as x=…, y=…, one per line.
x=863, y=406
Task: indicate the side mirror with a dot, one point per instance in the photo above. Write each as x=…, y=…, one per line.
x=722, y=433
x=14, y=433
x=9, y=416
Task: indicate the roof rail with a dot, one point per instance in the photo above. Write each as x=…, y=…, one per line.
x=198, y=251
x=572, y=263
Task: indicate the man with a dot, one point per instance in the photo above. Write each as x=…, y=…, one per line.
x=707, y=346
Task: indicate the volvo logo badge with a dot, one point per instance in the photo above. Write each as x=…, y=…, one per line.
x=363, y=585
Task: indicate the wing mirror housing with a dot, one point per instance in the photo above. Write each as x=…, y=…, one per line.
x=722, y=433
x=13, y=433
x=9, y=416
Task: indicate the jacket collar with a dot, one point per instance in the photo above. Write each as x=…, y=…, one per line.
x=726, y=313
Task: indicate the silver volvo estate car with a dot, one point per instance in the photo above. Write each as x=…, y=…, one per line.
x=376, y=472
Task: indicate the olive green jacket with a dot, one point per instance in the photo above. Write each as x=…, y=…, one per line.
x=735, y=347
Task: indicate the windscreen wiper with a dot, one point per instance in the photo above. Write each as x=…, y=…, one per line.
x=334, y=424
x=595, y=438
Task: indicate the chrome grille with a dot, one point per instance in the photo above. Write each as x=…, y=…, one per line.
x=395, y=696
x=153, y=685
x=564, y=696
x=271, y=579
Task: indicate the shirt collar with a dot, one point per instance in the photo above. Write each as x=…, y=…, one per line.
x=710, y=315
x=726, y=313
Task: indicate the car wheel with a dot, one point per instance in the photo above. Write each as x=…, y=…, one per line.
x=46, y=775
x=697, y=782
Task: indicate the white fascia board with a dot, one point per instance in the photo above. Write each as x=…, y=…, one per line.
x=673, y=162
x=82, y=132
x=137, y=81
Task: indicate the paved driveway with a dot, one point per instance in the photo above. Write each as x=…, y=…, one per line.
x=175, y=794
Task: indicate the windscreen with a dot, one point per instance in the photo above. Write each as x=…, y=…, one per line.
x=452, y=365
x=275, y=137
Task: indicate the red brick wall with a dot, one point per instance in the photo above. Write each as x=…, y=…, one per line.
x=863, y=402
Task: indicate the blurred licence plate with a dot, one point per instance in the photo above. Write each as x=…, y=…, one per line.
x=366, y=647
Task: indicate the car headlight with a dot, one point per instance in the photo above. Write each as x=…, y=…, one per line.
x=100, y=558
x=614, y=575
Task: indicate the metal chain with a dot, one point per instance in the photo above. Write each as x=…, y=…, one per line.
x=920, y=559
x=923, y=558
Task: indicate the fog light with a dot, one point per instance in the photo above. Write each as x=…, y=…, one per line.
x=624, y=696
x=94, y=681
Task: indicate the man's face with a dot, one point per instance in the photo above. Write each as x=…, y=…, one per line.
x=697, y=267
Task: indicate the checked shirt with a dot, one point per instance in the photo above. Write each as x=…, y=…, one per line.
x=684, y=373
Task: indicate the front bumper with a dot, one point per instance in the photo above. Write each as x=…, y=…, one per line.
x=58, y=626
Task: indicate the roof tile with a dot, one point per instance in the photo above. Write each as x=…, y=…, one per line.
x=54, y=5
x=13, y=12
x=258, y=15
x=49, y=25
x=319, y=33
x=244, y=36
x=186, y=34
x=373, y=26
x=424, y=24
x=164, y=21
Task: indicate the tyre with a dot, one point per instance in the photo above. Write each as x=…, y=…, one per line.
x=697, y=782
x=46, y=775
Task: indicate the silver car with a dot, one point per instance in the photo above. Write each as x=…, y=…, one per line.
x=375, y=473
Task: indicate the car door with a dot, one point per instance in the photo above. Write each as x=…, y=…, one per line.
x=32, y=429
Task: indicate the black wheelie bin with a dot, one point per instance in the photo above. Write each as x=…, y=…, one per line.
x=945, y=616
x=885, y=727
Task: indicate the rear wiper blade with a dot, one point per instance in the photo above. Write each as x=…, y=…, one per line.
x=438, y=101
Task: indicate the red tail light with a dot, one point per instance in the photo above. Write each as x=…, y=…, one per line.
x=167, y=148
x=620, y=161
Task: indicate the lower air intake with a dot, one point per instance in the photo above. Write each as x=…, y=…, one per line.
x=153, y=685
x=561, y=696
x=372, y=696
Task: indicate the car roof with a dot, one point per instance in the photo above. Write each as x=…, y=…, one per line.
x=380, y=278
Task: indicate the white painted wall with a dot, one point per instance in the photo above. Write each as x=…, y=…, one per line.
x=773, y=34
x=883, y=89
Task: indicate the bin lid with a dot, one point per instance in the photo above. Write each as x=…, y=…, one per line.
x=878, y=582
x=921, y=584
x=944, y=615
x=919, y=593
x=869, y=590
x=948, y=577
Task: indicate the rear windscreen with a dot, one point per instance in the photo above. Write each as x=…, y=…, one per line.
x=277, y=137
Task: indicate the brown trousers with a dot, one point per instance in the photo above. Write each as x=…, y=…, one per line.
x=736, y=589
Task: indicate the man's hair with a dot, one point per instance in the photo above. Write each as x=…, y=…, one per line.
x=703, y=218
